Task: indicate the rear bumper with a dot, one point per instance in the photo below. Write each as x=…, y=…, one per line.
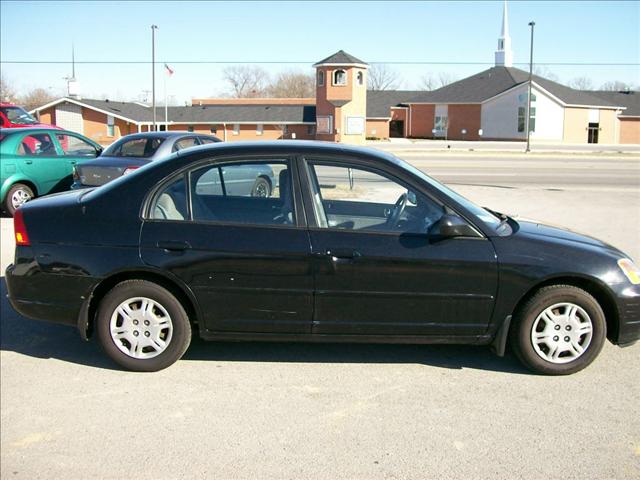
x=41, y=296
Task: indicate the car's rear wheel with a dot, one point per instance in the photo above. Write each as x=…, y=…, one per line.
x=17, y=195
x=559, y=331
x=262, y=188
x=142, y=326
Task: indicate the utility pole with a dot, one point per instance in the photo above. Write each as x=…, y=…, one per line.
x=153, y=73
x=531, y=24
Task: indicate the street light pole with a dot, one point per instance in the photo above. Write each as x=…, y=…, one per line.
x=531, y=24
x=153, y=73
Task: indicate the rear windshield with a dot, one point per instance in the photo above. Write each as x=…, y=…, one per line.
x=18, y=116
x=137, y=147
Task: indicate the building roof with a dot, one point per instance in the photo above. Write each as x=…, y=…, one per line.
x=379, y=102
x=340, y=58
x=496, y=80
x=243, y=114
x=141, y=113
x=255, y=101
x=629, y=99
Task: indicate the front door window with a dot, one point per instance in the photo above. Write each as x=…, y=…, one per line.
x=361, y=200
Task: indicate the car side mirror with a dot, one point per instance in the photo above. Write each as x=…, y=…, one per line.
x=99, y=151
x=450, y=226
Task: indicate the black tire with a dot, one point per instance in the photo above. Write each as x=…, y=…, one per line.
x=525, y=318
x=15, y=188
x=180, y=335
x=262, y=188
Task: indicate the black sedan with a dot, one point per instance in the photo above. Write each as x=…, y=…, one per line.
x=353, y=245
x=132, y=152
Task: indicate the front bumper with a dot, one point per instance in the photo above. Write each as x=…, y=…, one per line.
x=628, y=306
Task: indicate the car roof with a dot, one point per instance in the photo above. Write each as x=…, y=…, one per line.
x=9, y=131
x=169, y=134
x=292, y=147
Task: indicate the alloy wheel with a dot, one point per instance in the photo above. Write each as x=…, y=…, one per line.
x=19, y=197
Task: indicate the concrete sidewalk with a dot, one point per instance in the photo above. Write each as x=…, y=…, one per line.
x=406, y=144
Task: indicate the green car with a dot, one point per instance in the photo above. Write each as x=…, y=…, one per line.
x=39, y=161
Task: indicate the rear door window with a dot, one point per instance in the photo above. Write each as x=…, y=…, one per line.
x=251, y=192
x=137, y=147
x=37, y=144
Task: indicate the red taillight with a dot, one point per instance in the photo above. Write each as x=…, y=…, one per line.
x=129, y=170
x=20, y=230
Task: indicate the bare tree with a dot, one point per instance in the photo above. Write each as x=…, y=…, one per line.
x=246, y=81
x=381, y=77
x=544, y=72
x=35, y=98
x=581, y=83
x=427, y=82
x=445, y=79
x=7, y=92
x=292, y=84
x=617, y=86
x=431, y=81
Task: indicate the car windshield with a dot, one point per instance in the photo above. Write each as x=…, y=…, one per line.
x=136, y=147
x=18, y=116
x=483, y=214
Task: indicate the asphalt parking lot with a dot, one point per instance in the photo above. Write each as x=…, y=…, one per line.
x=260, y=410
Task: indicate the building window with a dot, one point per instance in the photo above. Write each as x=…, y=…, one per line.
x=339, y=77
x=285, y=129
x=360, y=78
x=440, y=124
x=321, y=78
x=311, y=129
x=190, y=128
x=259, y=129
x=324, y=124
x=236, y=129
x=522, y=117
x=111, y=128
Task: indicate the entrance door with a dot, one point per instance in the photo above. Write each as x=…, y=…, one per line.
x=592, y=134
x=379, y=273
x=396, y=128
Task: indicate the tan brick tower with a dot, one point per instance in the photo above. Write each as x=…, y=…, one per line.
x=341, y=99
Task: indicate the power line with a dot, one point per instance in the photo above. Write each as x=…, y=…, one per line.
x=276, y=62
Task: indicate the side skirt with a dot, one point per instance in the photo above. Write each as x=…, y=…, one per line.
x=324, y=338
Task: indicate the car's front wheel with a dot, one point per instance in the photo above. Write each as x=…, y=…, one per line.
x=559, y=331
x=142, y=326
x=17, y=195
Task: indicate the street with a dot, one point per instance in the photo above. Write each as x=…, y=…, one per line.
x=329, y=411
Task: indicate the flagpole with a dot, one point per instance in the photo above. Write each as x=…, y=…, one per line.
x=166, y=110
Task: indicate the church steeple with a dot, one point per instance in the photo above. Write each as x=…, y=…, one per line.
x=504, y=54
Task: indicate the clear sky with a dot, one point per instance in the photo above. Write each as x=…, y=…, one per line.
x=304, y=32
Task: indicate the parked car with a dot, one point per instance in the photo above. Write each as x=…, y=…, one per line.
x=355, y=246
x=39, y=161
x=13, y=116
x=133, y=151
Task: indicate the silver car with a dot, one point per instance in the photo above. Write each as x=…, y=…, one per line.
x=132, y=152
